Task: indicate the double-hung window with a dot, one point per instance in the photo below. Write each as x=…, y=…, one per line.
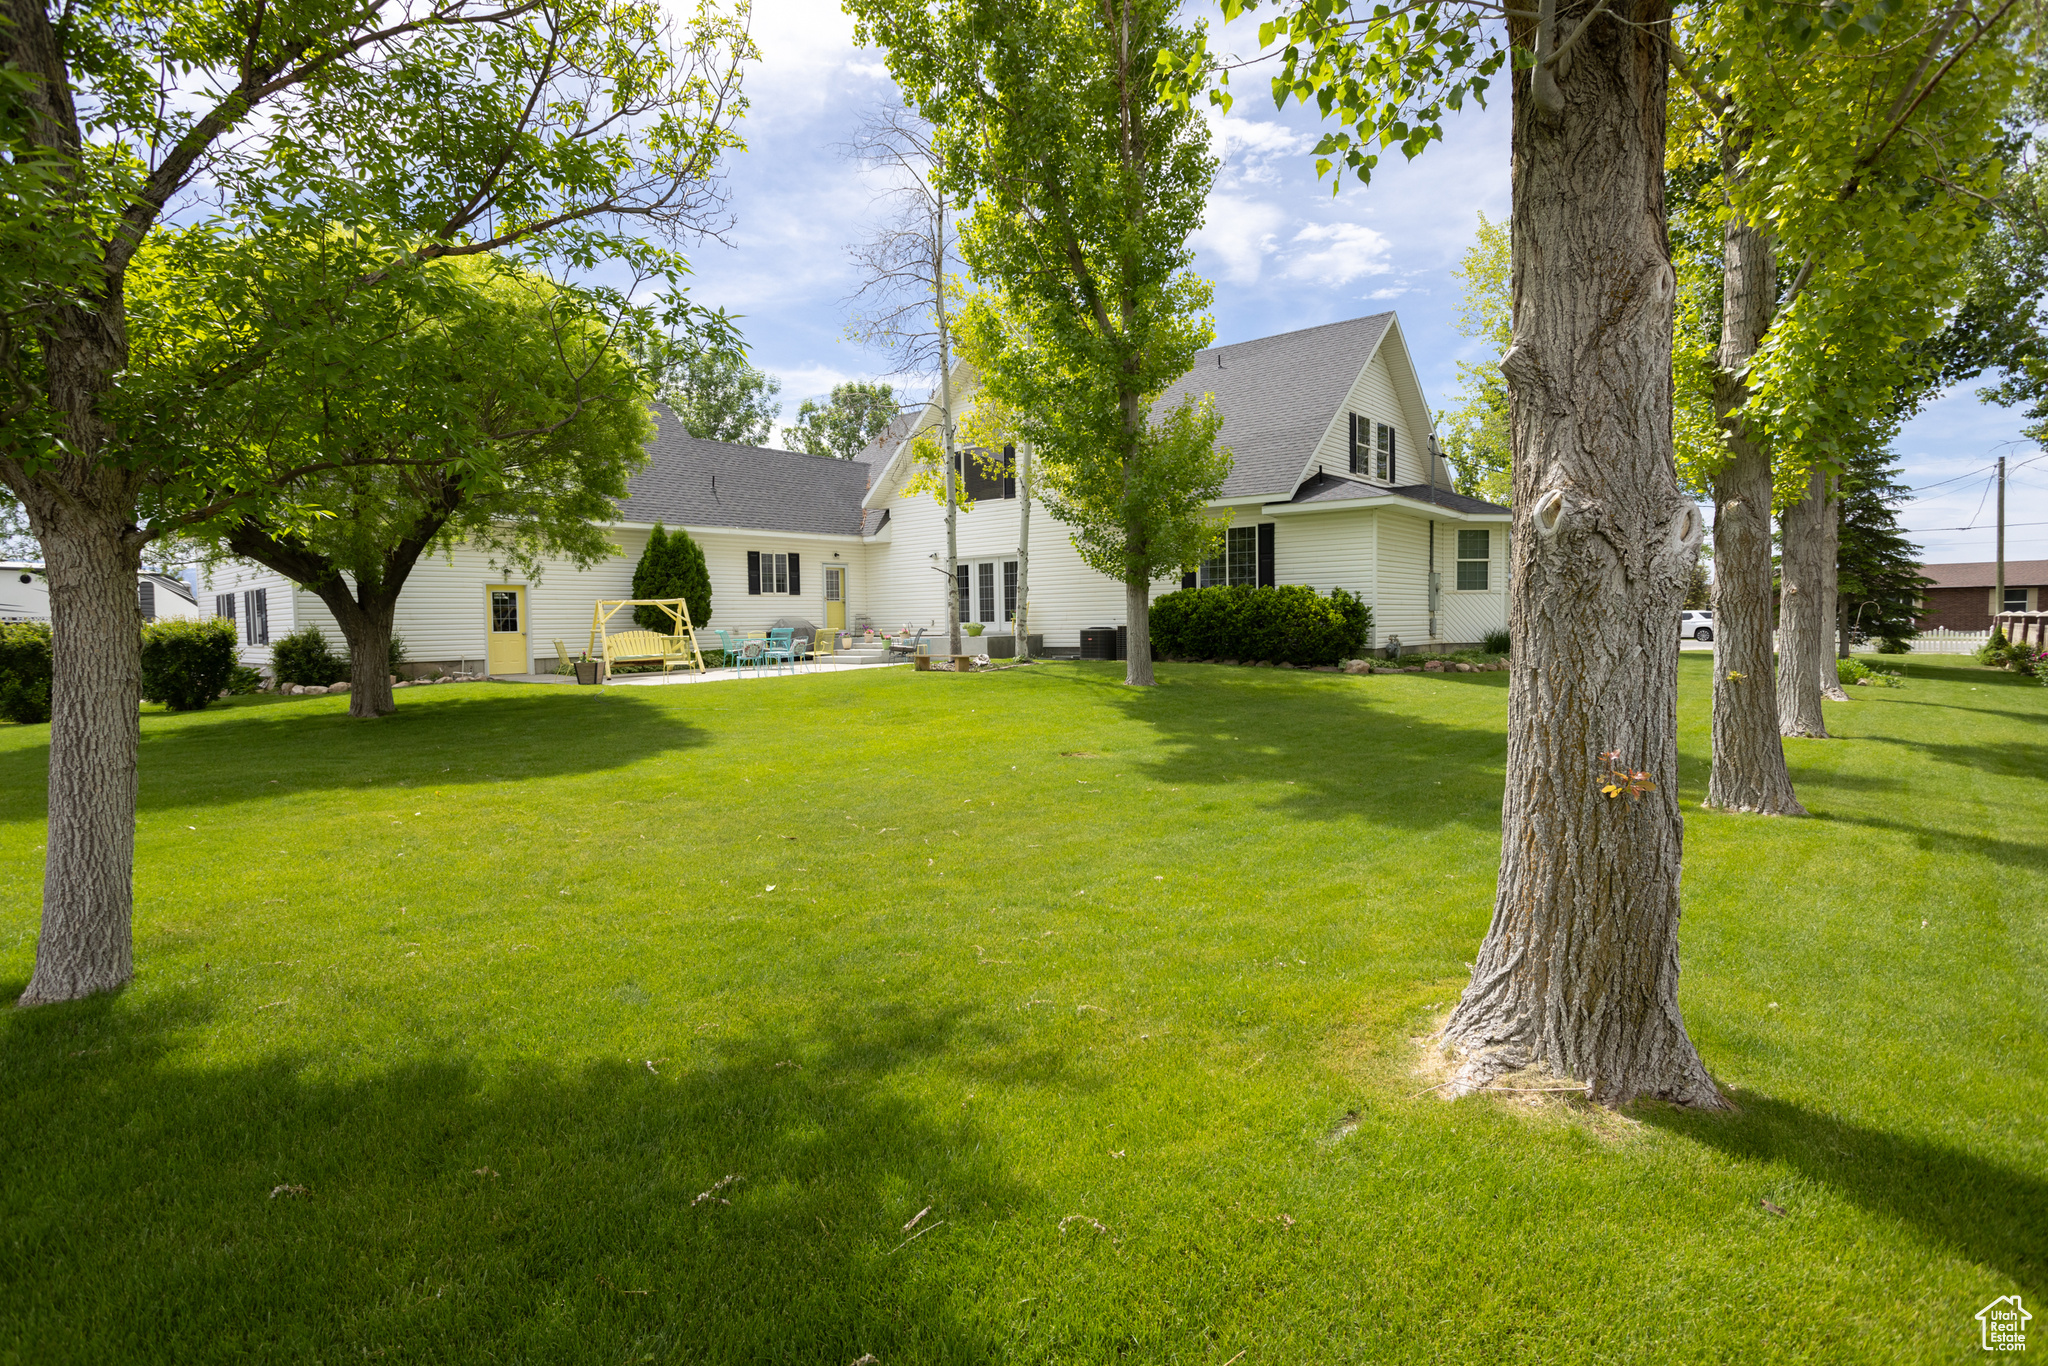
x=1237, y=564
x=1361, y=444
x=224, y=606
x=771, y=571
x=1383, y=453
x=1475, y=557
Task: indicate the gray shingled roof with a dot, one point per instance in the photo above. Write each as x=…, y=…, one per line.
x=692, y=482
x=1277, y=396
x=1331, y=488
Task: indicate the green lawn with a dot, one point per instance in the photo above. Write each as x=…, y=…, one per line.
x=443, y=1023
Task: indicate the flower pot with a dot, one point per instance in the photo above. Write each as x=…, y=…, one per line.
x=586, y=671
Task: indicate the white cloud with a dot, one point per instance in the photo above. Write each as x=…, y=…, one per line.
x=1332, y=254
x=1393, y=293
x=873, y=71
x=1236, y=237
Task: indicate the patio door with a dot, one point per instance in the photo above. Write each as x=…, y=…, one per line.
x=835, y=597
x=507, y=647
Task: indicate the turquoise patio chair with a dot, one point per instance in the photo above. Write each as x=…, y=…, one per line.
x=782, y=648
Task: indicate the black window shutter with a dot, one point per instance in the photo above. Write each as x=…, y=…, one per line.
x=1009, y=471
x=754, y=572
x=1391, y=457
x=1266, y=554
x=1357, y=461
x=796, y=588
x=1188, y=580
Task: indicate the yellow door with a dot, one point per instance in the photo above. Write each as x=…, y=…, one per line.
x=508, y=630
x=835, y=598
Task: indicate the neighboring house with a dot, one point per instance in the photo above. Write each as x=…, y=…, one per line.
x=25, y=595
x=1960, y=598
x=1334, y=483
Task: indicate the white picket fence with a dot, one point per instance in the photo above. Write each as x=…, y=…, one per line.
x=1942, y=642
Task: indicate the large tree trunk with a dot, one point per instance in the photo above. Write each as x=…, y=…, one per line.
x=1579, y=972
x=1749, y=757
x=1138, y=634
x=1805, y=617
x=92, y=554
x=367, y=628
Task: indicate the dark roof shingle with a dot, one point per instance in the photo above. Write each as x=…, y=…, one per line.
x=688, y=481
x=1330, y=488
x=1278, y=396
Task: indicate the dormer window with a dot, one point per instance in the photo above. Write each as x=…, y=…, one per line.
x=1383, y=457
x=1361, y=444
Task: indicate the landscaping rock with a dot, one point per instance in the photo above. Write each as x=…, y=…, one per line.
x=1358, y=666
x=1411, y=668
x=1465, y=668
x=1325, y=668
x=1435, y=666
x=337, y=687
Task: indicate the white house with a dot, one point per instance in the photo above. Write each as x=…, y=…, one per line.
x=1334, y=483
x=25, y=595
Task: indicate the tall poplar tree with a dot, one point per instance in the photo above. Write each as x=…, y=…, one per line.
x=1086, y=181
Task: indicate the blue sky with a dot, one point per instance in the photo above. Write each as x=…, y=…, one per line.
x=1283, y=253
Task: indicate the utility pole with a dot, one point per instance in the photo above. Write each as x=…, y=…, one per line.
x=1998, y=593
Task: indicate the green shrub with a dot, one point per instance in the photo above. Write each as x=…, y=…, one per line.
x=243, y=680
x=25, y=672
x=185, y=664
x=1893, y=645
x=1855, y=671
x=1992, y=651
x=305, y=658
x=672, y=566
x=1496, y=643
x=1291, y=624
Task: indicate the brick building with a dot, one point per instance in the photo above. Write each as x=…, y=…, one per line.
x=1959, y=599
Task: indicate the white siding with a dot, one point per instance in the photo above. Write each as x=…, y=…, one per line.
x=1326, y=550
x=281, y=599
x=1376, y=395
x=1402, y=606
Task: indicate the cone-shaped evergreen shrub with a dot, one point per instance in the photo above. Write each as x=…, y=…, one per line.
x=672, y=566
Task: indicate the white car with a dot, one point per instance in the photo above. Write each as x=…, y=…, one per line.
x=1696, y=625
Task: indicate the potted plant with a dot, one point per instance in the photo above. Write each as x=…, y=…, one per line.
x=974, y=628
x=586, y=669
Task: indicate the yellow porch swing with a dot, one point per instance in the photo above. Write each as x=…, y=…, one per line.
x=644, y=647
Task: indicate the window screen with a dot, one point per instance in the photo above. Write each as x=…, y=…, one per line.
x=224, y=606
x=1475, y=553
x=2015, y=600
x=145, y=598
x=1361, y=445
x=1009, y=590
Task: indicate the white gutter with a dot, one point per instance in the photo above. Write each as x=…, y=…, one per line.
x=1385, y=500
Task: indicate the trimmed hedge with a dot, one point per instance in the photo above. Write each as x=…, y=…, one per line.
x=1290, y=624
x=185, y=664
x=25, y=672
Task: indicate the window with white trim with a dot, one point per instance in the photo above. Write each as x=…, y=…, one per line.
x=1383, y=457
x=1237, y=563
x=1475, y=558
x=770, y=571
x=256, y=616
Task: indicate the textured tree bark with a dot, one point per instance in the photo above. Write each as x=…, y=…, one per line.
x=367, y=628
x=1138, y=634
x=86, y=945
x=1579, y=971
x=1830, y=631
x=1749, y=757
x=1805, y=617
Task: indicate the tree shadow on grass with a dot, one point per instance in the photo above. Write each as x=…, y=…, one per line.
x=297, y=1209
x=2013, y=853
x=1987, y=1213
x=1346, y=753
x=2006, y=758
x=278, y=746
